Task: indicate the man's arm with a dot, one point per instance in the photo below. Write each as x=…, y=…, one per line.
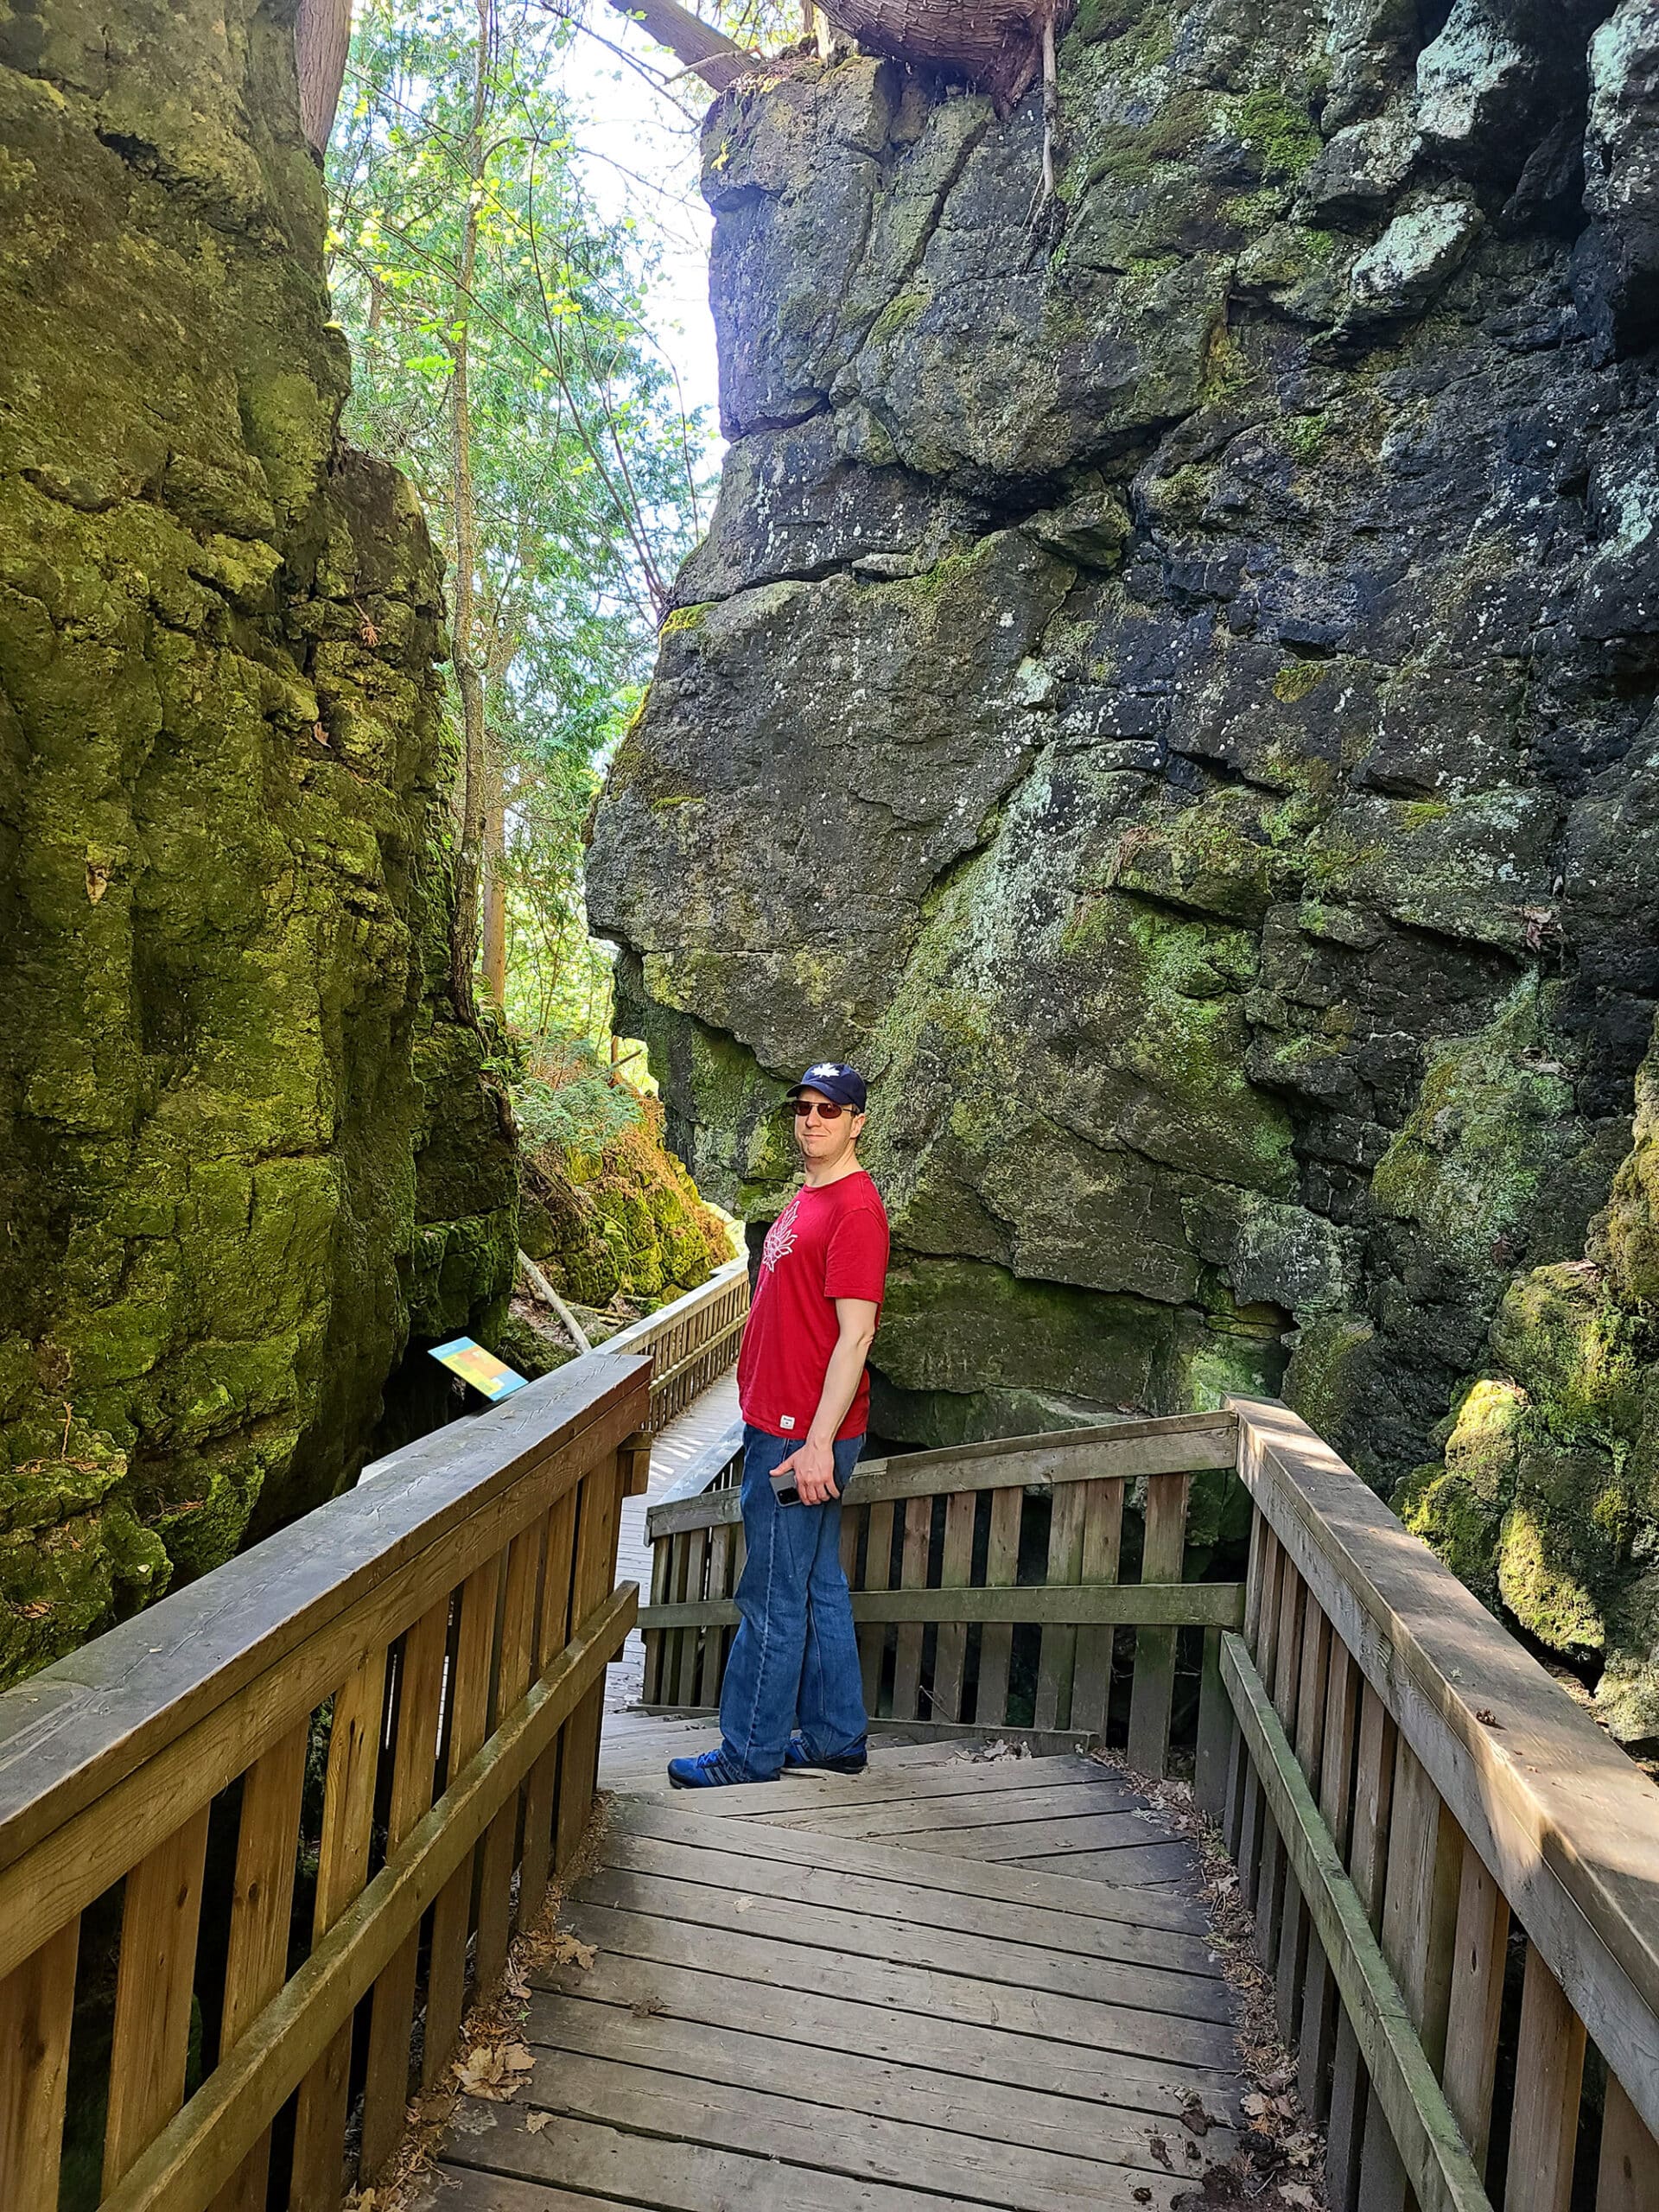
x=813, y=1460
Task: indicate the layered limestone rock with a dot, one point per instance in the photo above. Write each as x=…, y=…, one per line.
x=244, y=1144
x=1170, y=689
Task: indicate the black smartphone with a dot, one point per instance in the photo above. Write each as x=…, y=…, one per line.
x=783, y=1489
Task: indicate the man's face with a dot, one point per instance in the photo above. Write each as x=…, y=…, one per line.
x=825, y=1139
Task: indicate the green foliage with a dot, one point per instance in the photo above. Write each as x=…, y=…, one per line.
x=580, y=1117
x=465, y=247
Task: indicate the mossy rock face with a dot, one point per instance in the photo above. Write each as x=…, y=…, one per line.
x=1243, y=903
x=244, y=1142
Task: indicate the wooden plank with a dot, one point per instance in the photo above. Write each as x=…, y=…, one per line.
x=951, y=1654
x=1297, y=1942
x=671, y=2177
x=847, y=2082
x=1179, y=1444
x=325, y=1583
x=552, y=1634
x=1215, y=1745
x=1149, y=1908
x=897, y=2040
x=1530, y=1778
x=1436, y=2162
x=863, y=2147
x=1058, y=1647
x=37, y=2007
x=1044, y=1802
x=342, y=1869
x=1129, y=2031
x=656, y=1639
x=257, y=1961
x=996, y=1643
x=912, y=1569
x=198, y=2152
x=1102, y=1548
x=1475, y=2003
x=420, y=1699
x=1368, y=1863
x=446, y=1985
x=1183, y=1605
x=514, y=1664
x=160, y=1914
x=1628, y=2175
x=591, y=1580
x=1316, y=2050
x=892, y=1781
x=1026, y=1964
x=911, y=1899
x=878, y=1567
x=1161, y=1558
x=722, y=1583
x=1548, y=2075
x=1253, y=1831
x=697, y=1558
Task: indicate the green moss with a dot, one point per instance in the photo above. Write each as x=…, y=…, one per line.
x=1304, y=436
x=681, y=621
x=898, y=315
x=1279, y=132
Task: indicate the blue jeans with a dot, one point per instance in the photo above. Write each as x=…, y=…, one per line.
x=794, y=1655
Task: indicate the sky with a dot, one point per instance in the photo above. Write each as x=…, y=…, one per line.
x=640, y=158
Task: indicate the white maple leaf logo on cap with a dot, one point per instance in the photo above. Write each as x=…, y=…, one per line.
x=825, y=1067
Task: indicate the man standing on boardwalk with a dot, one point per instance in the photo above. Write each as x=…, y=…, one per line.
x=805, y=1394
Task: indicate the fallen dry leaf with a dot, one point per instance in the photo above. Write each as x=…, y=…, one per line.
x=488, y=2070
x=1299, y=2193
x=536, y=2121
x=565, y=1951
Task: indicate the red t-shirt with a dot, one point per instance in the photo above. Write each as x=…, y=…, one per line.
x=826, y=1244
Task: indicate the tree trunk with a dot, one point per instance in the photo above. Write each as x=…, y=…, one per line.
x=322, y=37
x=468, y=680
x=715, y=58
x=495, y=884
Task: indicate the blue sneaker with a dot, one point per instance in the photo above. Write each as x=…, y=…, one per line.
x=798, y=1760
x=709, y=1770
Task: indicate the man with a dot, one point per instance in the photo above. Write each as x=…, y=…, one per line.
x=805, y=1394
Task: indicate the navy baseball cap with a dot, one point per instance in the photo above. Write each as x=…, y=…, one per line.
x=835, y=1080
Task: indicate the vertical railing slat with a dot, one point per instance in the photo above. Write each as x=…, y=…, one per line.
x=1316, y=2047
x=996, y=1639
x=1367, y=1867
x=445, y=1995
x=267, y=1846
x=912, y=1575
x=1057, y=1650
x=1548, y=2076
x=591, y=1580
x=1103, y=1556
x=878, y=1567
x=342, y=1869
x=499, y=1845
x=541, y=1790
x=161, y=1915
x=385, y=2088
x=1152, y=1694
x=37, y=2002
x=951, y=1651
x=1476, y=2002
x=1627, y=2178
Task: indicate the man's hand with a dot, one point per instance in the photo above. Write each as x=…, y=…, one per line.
x=814, y=1468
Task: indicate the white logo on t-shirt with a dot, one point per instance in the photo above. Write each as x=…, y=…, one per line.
x=786, y=1421
x=780, y=1237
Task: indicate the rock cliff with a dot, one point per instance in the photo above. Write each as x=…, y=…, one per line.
x=245, y=1147
x=1170, y=689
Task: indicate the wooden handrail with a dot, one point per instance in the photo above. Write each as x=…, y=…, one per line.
x=693, y=1341
x=978, y=1495
x=455, y=1617
x=1399, y=1756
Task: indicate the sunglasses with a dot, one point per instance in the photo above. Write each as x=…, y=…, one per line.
x=802, y=1107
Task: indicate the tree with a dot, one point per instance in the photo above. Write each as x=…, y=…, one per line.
x=502, y=361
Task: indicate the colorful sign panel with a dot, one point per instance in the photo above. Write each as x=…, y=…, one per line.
x=479, y=1367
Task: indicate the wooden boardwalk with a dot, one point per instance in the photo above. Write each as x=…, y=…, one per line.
x=954, y=1980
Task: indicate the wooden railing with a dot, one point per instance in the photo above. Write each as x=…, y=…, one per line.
x=1455, y=1875
x=249, y=1837
x=932, y=1545
x=692, y=1342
